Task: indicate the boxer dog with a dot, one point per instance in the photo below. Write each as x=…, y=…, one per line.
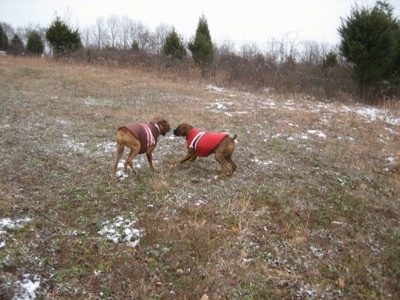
x=139, y=138
x=203, y=144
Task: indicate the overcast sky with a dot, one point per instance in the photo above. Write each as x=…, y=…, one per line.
x=238, y=21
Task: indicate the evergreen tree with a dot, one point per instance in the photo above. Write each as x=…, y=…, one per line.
x=62, y=39
x=174, y=46
x=16, y=41
x=3, y=39
x=330, y=60
x=16, y=46
x=35, y=44
x=370, y=43
x=201, y=45
x=135, y=46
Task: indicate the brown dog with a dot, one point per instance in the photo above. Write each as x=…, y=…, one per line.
x=139, y=138
x=205, y=143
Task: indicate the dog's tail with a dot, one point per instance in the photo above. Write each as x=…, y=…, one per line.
x=123, y=130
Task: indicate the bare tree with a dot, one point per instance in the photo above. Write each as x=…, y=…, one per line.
x=68, y=19
x=157, y=39
x=226, y=47
x=86, y=37
x=140, y=34
x=100, y=33
x=311, y=53
x=113, y=26
x=126, y=25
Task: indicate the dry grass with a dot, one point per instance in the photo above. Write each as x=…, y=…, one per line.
x=304, y=216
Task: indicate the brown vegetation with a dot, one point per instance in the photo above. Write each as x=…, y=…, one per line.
x=312, y=211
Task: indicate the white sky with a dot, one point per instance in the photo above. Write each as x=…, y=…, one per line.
x=238, y=21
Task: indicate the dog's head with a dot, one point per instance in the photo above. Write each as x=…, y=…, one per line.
x=182, y=129
x=163, y=125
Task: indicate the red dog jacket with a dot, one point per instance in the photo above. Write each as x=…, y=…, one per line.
x=203, y=142
x=147, y=134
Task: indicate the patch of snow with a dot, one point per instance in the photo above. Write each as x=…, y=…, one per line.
x=89, y=101
x=368, y=112
x=219, y=105
x=120, y=169
x=215, y=88
x=27, y=288
x=269, y=90
x=318, y=133
x=391, y=159
x=298, y=137
x=12, y=224
x=269, y=103
x=75, y=146
x=62, y=122
x=107, y=147
x=373, y=114
x=241, y=112
x=262, y=162
x=316, y=252
x=346, y=138
x=392, y=121
x=121, y=230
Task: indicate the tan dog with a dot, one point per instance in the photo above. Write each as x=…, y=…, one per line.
x=205, y=143
x=139, y=138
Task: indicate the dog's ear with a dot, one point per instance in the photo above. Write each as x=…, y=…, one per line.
x=162, y=122
x=164, y=125
x=184, y=128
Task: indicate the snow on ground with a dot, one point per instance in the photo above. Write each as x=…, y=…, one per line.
x=370, y=114
x=121, y=230
x=9, y=225
x=25, y=289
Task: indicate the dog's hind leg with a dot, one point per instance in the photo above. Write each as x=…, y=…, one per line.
x=134, y=145
x=232, y=163
x=129, y=160
x=120, y=151
x=221, y=159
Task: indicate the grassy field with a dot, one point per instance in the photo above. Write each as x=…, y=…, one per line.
x=312, y=212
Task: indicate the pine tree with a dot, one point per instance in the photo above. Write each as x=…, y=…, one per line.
x=370, y=44
x=16, y=46
x=330, y=60
x=3, y=39
x=62, y=39
x=174, y=46
x=201, y=45
x=35, y=44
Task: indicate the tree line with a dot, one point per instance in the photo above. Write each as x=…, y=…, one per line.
x=366, y=63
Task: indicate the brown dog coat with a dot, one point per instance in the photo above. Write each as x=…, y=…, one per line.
x=147, y=134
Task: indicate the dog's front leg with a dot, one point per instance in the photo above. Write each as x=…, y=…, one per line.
x=189, y=156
